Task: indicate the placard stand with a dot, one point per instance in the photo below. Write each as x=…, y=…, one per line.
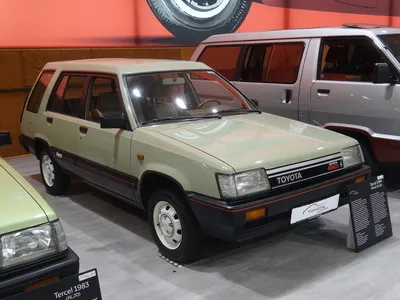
x=369, y=221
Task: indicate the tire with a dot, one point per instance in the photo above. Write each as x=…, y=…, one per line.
x=189, y=239
x=175, y=16
x=59, y=182
x=370, y=159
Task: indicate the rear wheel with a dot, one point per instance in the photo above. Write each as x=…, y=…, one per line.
x=174, y=227
x=54, y=179
x=196, y=20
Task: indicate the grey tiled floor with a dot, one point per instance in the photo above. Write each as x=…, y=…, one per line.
x=308, y=262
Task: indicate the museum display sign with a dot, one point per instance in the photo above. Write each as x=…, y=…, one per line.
x=84, y=286
x=369, y=213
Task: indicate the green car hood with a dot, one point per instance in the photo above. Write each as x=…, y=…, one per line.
x=257, y=140
x=21, y=205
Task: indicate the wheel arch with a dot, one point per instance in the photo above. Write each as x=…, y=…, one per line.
x=362, y=134
x=39, y=143
x=152, y=180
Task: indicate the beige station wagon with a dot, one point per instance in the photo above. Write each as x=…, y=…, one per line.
x=177, y=140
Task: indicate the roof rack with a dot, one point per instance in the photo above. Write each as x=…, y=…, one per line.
x=362, y=26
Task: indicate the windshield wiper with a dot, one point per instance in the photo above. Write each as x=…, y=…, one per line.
x=182, y=118
x=234, y=110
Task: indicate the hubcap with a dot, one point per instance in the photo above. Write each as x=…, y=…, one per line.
x=48, y=170
x=167, y=225
x=201, y=9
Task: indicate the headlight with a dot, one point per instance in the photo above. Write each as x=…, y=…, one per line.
x=242, y=184
x=32, y=244
x=352, y=156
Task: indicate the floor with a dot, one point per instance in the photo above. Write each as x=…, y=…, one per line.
x=308, y=262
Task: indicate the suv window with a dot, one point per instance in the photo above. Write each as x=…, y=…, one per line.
x=38, y=91
x=273, y=63
x=103, y=99
x=223, y=59
x=68, y=98
x=348, y=60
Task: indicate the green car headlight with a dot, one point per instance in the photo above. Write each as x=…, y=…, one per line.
x=352, y=156
x=243, y=184
x=32, y=244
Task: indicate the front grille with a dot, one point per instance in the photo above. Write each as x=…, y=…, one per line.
x=305, y=171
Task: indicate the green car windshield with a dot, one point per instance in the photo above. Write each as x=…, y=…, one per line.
x=392, y=42
x=184, y=95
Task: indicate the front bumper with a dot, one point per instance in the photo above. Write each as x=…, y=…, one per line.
x=227, y=221
x=15, y=282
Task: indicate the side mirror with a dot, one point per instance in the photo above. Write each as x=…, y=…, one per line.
x=255, y=102
x=381, y=73
x=5, y=138
x=116, y=122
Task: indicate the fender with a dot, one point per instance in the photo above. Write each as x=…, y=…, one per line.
x=169, y=172
x=385, y=147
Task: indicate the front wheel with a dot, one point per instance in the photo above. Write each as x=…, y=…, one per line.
x=174, y=228
x=196, y=20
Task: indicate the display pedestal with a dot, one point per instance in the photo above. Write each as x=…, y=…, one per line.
x=369, y=221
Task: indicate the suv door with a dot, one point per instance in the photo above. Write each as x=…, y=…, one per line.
x=104, y=154
x=344, y=92
x=65, y=107
x=270, y=73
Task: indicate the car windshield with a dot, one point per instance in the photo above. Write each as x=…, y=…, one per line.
x=184, y=95
x=392, y=42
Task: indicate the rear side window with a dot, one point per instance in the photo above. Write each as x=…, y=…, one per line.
x=272, y=63
x=223, y=59
x=69, y=97
x=103, y=99
x=38, y=91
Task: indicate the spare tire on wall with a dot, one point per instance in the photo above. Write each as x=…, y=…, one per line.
x=192, y=21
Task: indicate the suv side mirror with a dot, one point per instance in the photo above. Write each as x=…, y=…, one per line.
x=117, y=122
x=5, y=138
x=255, y=102
x=381, y=73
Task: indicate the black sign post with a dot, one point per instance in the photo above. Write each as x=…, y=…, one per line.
x=84, y=286
x=369, y=214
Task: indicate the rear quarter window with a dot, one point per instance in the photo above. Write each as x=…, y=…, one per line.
x=222, y=59
x=38, y=91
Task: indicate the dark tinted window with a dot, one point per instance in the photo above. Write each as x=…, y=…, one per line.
x=69, y=96
x=38, y=91
x=348, y=60
x=223, y=59
x=273, y=63
x=103, y=99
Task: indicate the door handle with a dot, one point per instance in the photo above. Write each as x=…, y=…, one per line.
x=287, y=97
x=323, y=92
x=83, y=129
x=49, y=120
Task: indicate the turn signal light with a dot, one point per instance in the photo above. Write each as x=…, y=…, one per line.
x=360, y=179
x=255, y=214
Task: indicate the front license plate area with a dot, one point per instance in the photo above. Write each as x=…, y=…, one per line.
x=315, y=209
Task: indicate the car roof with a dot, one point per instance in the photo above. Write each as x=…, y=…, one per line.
x=126, y=65
x=345, y=30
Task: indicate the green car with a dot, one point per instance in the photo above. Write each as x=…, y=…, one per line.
x=179, y=141
x=34, y=249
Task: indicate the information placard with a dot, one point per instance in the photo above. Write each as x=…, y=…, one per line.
x=369, y=212
x=84, y=286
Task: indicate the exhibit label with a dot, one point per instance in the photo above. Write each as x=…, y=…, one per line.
x=84, y=286
x=369, y=210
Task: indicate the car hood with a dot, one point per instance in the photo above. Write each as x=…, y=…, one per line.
x=257, y=140
x=21, y=205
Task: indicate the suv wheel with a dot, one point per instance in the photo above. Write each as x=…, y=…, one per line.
x=196, y=20
x=55, y=180
x=174, y=228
